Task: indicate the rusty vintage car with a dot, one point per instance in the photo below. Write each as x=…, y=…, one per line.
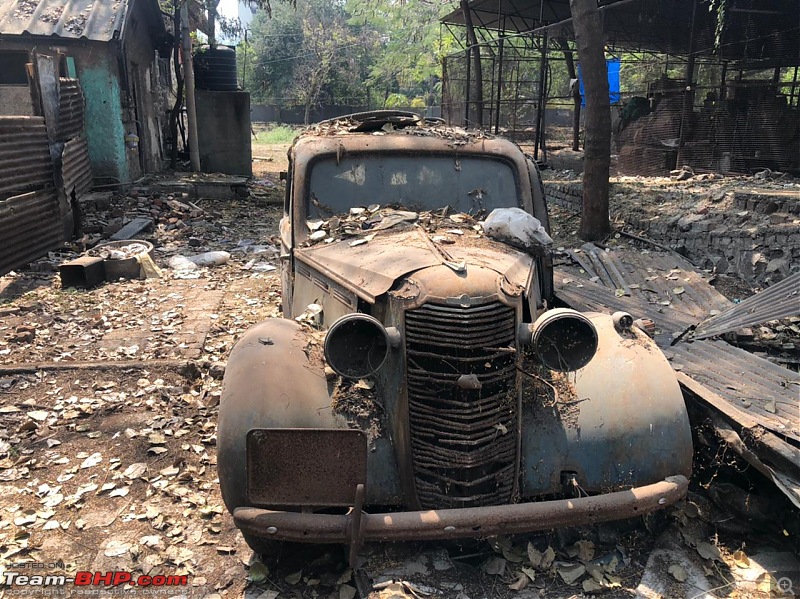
x=423, y=383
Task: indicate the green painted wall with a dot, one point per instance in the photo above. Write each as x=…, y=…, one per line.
x=105, y=133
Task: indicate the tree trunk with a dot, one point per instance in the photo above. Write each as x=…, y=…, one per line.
x=576, y=95
x=476, y=62
x=597, y=148
x=212, y=23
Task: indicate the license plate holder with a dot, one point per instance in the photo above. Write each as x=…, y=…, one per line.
x=305, y=467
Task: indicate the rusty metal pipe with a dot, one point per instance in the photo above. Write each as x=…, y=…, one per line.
x=437, y=525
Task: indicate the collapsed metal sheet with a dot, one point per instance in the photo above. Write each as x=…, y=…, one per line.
x=765, y=391
x=25, y=162
x=76, y=170
x=30, y=226
x=778, y=301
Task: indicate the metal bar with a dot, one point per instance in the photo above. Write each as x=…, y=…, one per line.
x=539, y=107
x=499, y=80
x=467, y=53
x=462, y=523
x=688, y=92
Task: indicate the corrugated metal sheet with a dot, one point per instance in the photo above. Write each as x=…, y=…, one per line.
x=778, y=301
x=30, y=226
x=766, y=391
x=98, y=20
x=75, y=167
x=25, y=163
x=71, y=110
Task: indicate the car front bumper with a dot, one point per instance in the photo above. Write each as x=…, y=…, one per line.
x=357, y=526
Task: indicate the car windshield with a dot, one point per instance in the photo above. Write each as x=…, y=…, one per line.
x=419, y=182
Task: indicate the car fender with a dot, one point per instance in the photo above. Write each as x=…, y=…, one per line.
x=274, y=379
x=626, y=424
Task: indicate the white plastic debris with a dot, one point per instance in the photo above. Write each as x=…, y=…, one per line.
x=517, y=228
x=181, y=263
x=210, y=258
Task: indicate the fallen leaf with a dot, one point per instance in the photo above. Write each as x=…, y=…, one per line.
x=678, y=572
x=708, y=551
x=548, y=557
x=38, y=415
x=740, y=559
x=520, y=583
x=590, y=585
x=120, y=492
x=135, y=470
x=92, y=460
x=534, y=556
x=116, y=548
x=585, y=550
x=346, y=592
x=530, y=573
x=770, y=406
x=495, y=566
x=258, y=572
x=678, y=290
x=570, y=573
x=150, y=541
x=294, y=578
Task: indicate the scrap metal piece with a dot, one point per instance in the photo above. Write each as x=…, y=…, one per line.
x=86, y=271
x=778, y=301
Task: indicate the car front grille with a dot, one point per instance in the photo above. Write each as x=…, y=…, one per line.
x=463, y=440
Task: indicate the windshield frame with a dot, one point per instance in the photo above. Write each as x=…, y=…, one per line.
x=309, y=149
x=451, y=155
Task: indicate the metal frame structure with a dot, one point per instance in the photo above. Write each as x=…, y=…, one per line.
x=757, y=35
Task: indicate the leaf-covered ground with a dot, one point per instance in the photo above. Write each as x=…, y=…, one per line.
x=107, y=448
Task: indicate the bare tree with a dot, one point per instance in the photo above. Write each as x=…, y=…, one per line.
x=597, y=146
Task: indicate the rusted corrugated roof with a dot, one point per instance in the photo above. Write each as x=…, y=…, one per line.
x=98, y=20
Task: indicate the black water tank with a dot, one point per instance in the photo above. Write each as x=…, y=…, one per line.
x=215, y=69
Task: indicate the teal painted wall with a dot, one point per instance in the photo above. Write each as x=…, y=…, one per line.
x=105, y=133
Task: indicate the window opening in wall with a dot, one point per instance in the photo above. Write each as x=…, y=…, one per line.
x=12, y=68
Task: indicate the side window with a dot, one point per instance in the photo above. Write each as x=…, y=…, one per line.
x=287, y=177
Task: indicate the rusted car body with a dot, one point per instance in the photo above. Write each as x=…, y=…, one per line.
x=421, y=401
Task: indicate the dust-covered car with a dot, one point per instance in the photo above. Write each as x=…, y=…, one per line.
x=423, y=383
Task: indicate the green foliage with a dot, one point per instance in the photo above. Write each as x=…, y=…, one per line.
x=408, y=50
x=278, y=134
x=396, y=101
x=306, y=54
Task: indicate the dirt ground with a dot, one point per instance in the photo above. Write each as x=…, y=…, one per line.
x=108, y=408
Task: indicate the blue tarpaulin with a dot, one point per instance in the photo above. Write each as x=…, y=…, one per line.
x=612, y=64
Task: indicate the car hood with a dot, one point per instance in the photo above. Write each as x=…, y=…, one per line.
x=370, y=269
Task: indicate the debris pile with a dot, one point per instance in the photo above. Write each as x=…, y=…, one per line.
x=361, y=224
